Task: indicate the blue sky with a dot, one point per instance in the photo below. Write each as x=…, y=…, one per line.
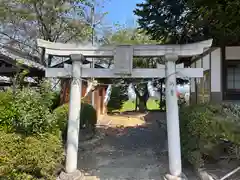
x=121, y=11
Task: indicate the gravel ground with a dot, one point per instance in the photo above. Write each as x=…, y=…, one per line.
x=133, y=148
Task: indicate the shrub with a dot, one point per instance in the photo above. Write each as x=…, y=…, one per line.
x=32, y=113
x=33, y=157
x=48, y=97
x=207, y=131
x=27, y=149
x=61, y=116
x=55, y=101
x=117, y=99
x=26, y=111
x=88, y=117
x=7, y=111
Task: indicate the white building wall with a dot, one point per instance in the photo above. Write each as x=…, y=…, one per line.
x=212, y=62
x=216, y=71
x=192, y=81
x=206, y=62
x=199, y=63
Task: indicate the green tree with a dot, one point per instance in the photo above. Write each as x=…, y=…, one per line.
x=117, y=98
x=220, y=18
x=23, y=21
x=163, y=20
x=178, y=21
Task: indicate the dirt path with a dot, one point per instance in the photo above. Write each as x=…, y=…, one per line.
x=133, y=149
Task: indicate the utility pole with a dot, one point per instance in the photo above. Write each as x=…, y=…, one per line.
x=92, y=38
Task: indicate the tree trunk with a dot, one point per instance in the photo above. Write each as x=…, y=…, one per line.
x=142, y=104
x=142, y=99
x=136, y=104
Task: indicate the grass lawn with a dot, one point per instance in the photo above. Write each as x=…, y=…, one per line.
x=130, y=105
x=153, y=104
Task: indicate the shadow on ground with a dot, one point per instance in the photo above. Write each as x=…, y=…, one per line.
x=136, y=152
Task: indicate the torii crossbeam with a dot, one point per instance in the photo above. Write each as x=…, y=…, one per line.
x=123, y=56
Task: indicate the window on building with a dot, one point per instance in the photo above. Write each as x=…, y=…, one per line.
x=233, y=77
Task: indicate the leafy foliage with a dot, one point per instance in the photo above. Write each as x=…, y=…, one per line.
x=49, y=97
x=7, y=111
x=163, y=20
x=33, y=157
x=31, y=147
x=219, y=18
x=61, y=116
x=32, y=115
x=117, y=98
x=130, y=36
x=30, y=142
x=133, y=37
x=177, y=21
x=88, y=118
x=55, y=100
x=23, y=21
x=26, y=111
x=208, y=131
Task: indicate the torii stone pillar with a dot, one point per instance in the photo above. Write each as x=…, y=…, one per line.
x=74, y=114
x=174, y=147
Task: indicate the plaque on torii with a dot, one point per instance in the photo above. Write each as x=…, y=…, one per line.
x=123, y=57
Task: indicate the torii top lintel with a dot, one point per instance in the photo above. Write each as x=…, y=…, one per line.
x=87, y=50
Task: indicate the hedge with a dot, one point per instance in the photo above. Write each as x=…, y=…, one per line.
x=32, y=157
x=88, y=117
x=209, y=132
x=30, y=142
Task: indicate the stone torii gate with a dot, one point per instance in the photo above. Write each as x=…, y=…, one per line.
x=123, y=57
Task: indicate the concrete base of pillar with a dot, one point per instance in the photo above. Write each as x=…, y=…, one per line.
x=77, y=175
x=171, y=177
